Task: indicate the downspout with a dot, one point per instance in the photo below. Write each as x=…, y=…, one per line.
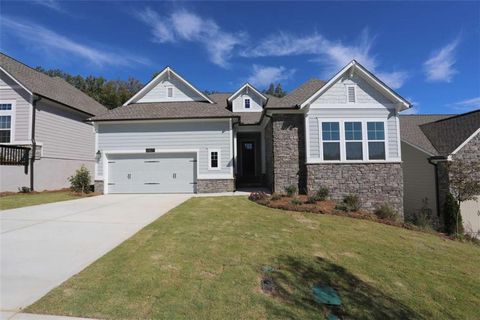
x=34, y=143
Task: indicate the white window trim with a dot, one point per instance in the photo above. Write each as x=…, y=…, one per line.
x=10, y=113
x=385, y=146
x=218, y=159
x=347, y=87
x=343, y=155
x=173, y=91
x=361, y=140
x=249, y=103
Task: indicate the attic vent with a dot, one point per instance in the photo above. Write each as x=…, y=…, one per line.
x=351, y=94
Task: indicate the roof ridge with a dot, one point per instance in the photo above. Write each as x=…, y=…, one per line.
x=457, y=116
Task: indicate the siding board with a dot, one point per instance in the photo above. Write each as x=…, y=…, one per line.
x=170, y=135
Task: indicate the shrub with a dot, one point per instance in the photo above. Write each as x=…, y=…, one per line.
x=276, y=196
x=312, y=199
x=322, y=194
x=386, y=212
x=452, y=216
x=350, y=202
x=80, y=181
x=258, y=196
x=296, y=201
x=24, y=190
x=291, y=190
x=423, y=218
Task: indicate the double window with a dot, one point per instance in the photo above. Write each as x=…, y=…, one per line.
x=347, y=141
x=214, y=159
x=6, y=120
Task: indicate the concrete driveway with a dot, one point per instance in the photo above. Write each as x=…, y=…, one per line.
x=42, y=246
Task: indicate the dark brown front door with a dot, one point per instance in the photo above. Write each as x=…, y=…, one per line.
x=248, y=160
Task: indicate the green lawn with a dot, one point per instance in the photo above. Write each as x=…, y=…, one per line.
x=203, y=260
x=18, y=200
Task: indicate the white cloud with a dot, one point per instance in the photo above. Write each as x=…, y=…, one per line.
x=51, y=4
x=53, y=42
x=440, y=65
x=262, y=76
x=467, y=105
x=332, y=54
x=183, y=25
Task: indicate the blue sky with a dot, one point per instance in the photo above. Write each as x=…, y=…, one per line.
x=429, y=52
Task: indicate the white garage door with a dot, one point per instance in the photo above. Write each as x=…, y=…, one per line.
x=152, y=173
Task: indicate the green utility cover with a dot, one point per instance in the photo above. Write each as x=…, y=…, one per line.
x=326, y=295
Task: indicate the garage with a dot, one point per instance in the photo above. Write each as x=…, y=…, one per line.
x=152, y=173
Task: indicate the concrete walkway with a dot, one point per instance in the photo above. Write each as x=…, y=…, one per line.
x=42, y=246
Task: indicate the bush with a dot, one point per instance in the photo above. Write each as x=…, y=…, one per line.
x=24, y=190
x=296, y=201
x=291, y=190
x=322, y=194
x=386, y=212
x=258, y=196
x=311, y=199
x=80, y=182
x=276, y=196
x=423, y=218
x=349, y=203
x=452, y=216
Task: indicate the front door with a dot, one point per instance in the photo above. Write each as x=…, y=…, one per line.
x=248, y=160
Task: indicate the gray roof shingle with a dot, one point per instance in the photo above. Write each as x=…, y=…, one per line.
x=448, y=134
x=52, y=88
x=411, y=132
x=297, y=96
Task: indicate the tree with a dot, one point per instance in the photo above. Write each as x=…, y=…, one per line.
x=279, y=91
x=270, y=90
x=464, y=183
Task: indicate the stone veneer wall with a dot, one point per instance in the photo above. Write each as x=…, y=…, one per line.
x=374, y=183
x=215, y=185
x=469, y=153
x=269, y=155
x=288, y=152
x=98, y=186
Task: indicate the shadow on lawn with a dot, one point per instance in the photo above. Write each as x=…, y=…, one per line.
x=296, y=276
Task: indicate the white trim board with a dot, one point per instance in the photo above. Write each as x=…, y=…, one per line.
x=247, y=86
x=154, y=82
x=465, y=142
x=18, y=82
x=12, y=113
x=354, y=66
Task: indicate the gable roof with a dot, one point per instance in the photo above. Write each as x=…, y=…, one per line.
x=354, y=66
x=52, y=88
x=155, y=81
x=247, y=86
x=448, y=134
x=411, y=132
x=298, y=96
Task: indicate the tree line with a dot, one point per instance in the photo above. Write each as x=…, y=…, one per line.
x=114, y=93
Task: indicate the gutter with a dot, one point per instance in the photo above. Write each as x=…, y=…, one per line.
x=34, y=143
x=434, y=160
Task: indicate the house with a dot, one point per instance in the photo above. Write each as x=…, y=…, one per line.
x=429, y=142
x=343, y=134
x=43, y=134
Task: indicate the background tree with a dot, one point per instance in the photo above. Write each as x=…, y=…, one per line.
x=110, y=93
x=276, y=91
x=464, y=183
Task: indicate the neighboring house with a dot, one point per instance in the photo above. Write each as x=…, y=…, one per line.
x=429, y=142
x=343, y=134
x=45, y=116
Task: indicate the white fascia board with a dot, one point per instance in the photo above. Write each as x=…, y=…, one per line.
x=247, y=85
x=18, y=82
x=155, y=80
x=465, y=142
x=355, y=66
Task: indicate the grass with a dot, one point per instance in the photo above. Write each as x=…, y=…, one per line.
x=18, y=200
x=204, y=260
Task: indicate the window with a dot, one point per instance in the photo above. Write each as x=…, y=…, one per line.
x=353, y=141
x=6, y=119
x=170, y=92
x=331, y=140
x=247, y=103
x=214, y=159
x=351, y=96
x=376, y=140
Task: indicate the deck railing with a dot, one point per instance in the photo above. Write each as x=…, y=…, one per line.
x=14, y=155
